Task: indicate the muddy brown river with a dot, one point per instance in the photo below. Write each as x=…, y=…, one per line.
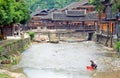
x=69, y=60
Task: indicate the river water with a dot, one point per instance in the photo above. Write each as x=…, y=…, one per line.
x=69, y=60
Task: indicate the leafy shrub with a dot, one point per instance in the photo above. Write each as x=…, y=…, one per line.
x=117, y=46
x=31, y=34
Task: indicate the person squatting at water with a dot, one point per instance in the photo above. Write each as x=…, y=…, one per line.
x=93, y=64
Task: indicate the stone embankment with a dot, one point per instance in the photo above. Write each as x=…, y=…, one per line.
x=10, y=54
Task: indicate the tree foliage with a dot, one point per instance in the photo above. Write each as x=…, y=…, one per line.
x=6, y=11
x=99, y=6
x=12, y=12
x=48, y=4
x=115, y=6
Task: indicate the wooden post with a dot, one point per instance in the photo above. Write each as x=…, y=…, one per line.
x=59, y=36
x=111, y=35
x=106, y=43
x=83, y=27
x=49, y=36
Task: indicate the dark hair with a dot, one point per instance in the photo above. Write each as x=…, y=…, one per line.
x=92, y=61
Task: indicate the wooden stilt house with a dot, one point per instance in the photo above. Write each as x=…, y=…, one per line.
x=107, y=25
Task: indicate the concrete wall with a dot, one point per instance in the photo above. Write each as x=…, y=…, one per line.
x=74, y=36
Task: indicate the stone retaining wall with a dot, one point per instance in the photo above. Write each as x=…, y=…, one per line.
x=15, y=45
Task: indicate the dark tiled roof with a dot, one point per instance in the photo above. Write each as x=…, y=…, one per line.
x=91, y=16
x=75, y=12
x=43, y=12
x=75, y=4
x=39, y=12
x=48, y=16
x=63, y=17
x=34, y=13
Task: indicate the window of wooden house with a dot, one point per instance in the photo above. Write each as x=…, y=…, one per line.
x=79, y=24
x=78, y=8
x=87, y=9
x=33, y=18
x=89, y=23
x=36, y=23
x=104, y=27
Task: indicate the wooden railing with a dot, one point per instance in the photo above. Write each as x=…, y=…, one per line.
x=76, y=27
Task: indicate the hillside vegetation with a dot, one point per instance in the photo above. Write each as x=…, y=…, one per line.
x=48, y=4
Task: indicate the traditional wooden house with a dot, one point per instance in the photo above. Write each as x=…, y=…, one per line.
x=81, y=5
x=118, y=26
x=74, y=16
x=107, y=25
x=78, y=15
x=36, y=19
x=41, y=19
x=75, y=19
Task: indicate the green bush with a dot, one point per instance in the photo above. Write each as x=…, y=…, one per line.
x=31, y=34
x=117, y=46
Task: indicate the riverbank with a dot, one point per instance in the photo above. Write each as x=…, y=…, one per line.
x=9, y=70
x=9, y=74
x=10, y=55
x=18, y=73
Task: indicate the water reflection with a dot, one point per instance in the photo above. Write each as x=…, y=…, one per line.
x=69, y=60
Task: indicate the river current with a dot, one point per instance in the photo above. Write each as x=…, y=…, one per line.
x=69, y=60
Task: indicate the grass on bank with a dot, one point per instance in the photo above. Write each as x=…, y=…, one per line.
x=5, y=76
x=117, y=46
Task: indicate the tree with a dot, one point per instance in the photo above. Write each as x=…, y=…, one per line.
x=99, y=6
x=48, y=4
x=6, y=11
x=12, y=12
x=115, y=6
x=25, y=12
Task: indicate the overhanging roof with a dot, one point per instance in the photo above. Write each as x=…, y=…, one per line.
x=62, y=17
